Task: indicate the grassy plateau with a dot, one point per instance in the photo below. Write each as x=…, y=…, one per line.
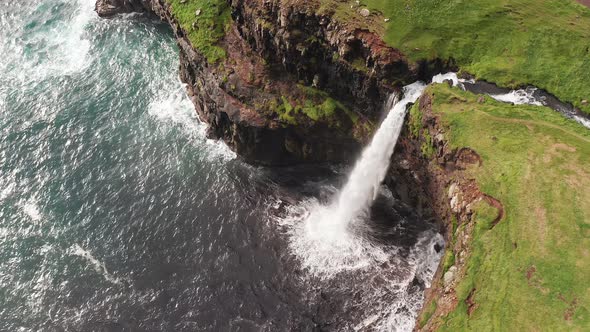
x=510, y=42
x=530, y=272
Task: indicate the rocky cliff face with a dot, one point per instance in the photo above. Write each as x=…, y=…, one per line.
x=296, y=85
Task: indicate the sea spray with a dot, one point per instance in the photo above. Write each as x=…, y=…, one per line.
x=97, y=265
x=172, y=107
x=332, y=238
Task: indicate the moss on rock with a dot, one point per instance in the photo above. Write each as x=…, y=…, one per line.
x=205, y=22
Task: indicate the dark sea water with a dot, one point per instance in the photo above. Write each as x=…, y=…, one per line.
x=117, y=214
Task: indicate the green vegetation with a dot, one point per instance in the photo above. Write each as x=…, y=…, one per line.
x=530, y=271
x=360, y=65
x=415, y=120
x=316, y=105
x=207, y=28
x=427, y=314
x=448, y=260
x=509, y=42
x=415, y=123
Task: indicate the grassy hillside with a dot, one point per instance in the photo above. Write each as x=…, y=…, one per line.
x=510, y=42
x=531, y=271
x=205, y=29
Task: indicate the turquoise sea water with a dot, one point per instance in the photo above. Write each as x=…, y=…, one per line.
x=116, y=213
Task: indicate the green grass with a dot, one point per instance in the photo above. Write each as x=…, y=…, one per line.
x=531, y=271
x=208, y=28
x=509, y=42
x=316, y=105
x=415, y=124
x=427, y=314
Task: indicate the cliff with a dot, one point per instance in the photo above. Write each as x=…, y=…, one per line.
x=281, y=82
x=512, y=182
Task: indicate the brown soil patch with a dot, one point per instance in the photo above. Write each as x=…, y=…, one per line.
x=467, y=156
x=571, y=309
x=554, y=150
x=471, y=305
x=498, y=205
x=470, y=190
x=384, y=53
x=583, y=257
x=541, y=215
x=529, y=165
x=534, y=280
x=585, y=2
x=530, y=272
x=579, y=176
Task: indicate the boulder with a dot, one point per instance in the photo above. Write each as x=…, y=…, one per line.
x=108, y=8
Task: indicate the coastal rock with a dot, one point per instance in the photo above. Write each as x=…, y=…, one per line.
x=108, y=8
x=448, y=277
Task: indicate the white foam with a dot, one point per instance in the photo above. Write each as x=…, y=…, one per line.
x=440, y=78
x=2, y=99
x=519, y=97
x=583, y=121
x=75, y=47
x=7, y=190
x=400, y=314
x=325, y=248
x=98, y=266
x=173, y=106
x=31, y=209
x=64, y=51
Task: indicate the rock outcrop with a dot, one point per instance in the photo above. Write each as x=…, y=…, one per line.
x=107, y=8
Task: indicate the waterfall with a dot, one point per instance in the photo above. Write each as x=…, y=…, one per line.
x=364, y=181
x=330, y=238
x=335, y=240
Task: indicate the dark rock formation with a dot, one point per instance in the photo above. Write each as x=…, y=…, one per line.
x=351, y=63
x=107, y=8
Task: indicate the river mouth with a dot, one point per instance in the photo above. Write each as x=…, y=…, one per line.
x=118, y=214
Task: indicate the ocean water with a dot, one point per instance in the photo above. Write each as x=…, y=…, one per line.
x=118, y=214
